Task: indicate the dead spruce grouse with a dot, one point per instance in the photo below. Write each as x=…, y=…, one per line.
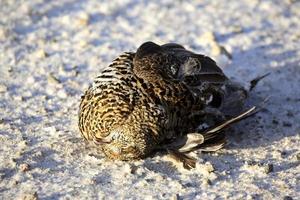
x=160, y=97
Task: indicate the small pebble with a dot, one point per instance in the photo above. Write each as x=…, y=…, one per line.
x=38, y=154
x=283, y=153
x=30, y=80
x=216, y=49
x=287, y=124
x=15, y=182
x=207, y=182
x=30, y=196
x=23, y=144
x=175, y=197
x=62, y=94
x=212, y=177
x=3, y=88
x=51, y=129
x=83, y=19
x=133, y=169
x=18, y=153
x=24, y=167
x=225, y=52
x=287, y=198
x=65, y=20
x=41, y=54
x=207, y=38
x=290, y=114
x=3, y=34
x=2, y=176
x=268, y=168
x=53, y=79
x=298, y=156
x=209, y=167
x=127, y=168
x=83, y=43
x=18, y=98
x=237, y=29
x=150, y=180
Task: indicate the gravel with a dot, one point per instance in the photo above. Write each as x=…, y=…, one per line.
x=50, y=51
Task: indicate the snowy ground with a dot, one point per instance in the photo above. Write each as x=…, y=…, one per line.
x=50, y=51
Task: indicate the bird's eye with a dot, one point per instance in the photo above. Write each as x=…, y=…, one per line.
x=116, y=151
x=174, y=70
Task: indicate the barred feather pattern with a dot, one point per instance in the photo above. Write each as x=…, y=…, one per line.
x=109, y=90
x=118, y=112
x=152, y=97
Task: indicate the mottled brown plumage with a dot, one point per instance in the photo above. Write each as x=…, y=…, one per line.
x=160, y=97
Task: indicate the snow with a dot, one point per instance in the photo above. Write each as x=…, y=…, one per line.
x=51, y=50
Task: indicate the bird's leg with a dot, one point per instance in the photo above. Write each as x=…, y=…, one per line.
x=181, y=146
x=187, y=161
x=195, y=141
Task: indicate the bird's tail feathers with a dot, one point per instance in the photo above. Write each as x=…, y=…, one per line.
x=212, y=139
x=254, y=81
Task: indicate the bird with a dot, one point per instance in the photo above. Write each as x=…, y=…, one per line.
x=161, y=97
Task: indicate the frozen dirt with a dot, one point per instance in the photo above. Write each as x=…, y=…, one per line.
x=50, y=51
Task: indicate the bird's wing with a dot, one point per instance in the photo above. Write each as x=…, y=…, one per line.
x=152, y=65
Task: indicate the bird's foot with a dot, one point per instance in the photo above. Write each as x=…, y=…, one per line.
x=187, y=161
x=180, y=148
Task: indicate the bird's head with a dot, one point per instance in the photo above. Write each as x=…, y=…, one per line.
x=123, y=144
